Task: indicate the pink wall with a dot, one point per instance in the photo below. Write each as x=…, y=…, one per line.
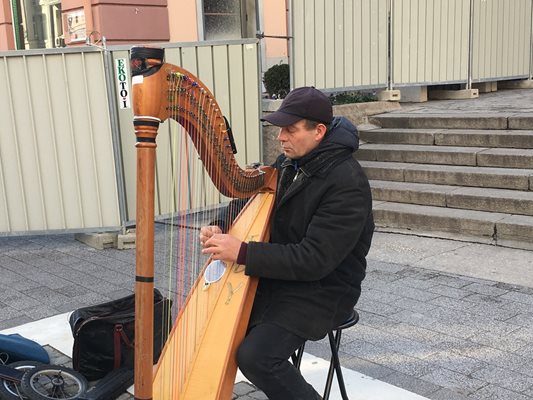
x=183, y=20
x=126, y=21
x=7, y=41
x=275, y=23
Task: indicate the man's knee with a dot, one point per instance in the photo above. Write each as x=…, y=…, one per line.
x=246, y=358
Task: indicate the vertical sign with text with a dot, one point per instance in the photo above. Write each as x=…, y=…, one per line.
x=123, y=87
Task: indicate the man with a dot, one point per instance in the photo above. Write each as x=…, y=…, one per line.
x=311, y=270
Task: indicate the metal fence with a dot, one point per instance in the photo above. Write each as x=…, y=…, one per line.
x=67, y=145
x=355, y=44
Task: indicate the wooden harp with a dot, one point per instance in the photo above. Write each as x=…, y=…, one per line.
x=198, y=360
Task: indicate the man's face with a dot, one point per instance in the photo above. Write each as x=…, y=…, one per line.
x=296, y=140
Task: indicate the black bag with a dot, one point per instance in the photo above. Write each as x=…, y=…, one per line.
x=104, y=335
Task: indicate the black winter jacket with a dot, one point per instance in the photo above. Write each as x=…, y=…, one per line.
x=311, y=270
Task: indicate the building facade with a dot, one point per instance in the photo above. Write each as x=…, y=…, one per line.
x=34, y=24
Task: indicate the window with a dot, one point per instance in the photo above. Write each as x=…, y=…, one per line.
x=37, y=23
x=223, y=19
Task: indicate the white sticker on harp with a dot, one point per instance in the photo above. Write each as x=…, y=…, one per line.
x=137, y=79
x=214, y=272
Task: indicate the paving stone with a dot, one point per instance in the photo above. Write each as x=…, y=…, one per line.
x=449, y=302
x=411, y=384
x=490, y=300
x=384, y=266
x=379, y=295
x=373, y=320
x=400, y=362
x=21, y=301
x=489, y=290
x=368, y=368
x=73, y=290
x=394, y=343
x=413, y=293
x=443, y=342
x=412, y=281
x=24, y=285
x=529, y=393
x=243, y=388
x=7, y=312
x=522, y=320
x=519, y=297
x=491, y=392
x=413, y=332
x=454, y=361
x=46, y=295
x=460, y=383
x=415, y=305
x=36, y=313
x=16, y=321
x=514, y=306
x=449, y=291
x=495, y=357
x=446, y=394
x=526, y=368
x=384, y=276
x=506, y=378
x=490, y=312
x=377, y=307
x=501, y=342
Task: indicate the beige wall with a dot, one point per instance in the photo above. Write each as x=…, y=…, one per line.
x=183, y=18
x=6, y=27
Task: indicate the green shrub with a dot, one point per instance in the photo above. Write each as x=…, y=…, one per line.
x=351, y=97
x=277, y=81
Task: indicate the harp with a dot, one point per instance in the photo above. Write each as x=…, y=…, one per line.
x=197, y=361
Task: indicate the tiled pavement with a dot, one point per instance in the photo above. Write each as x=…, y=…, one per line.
x=438, y=334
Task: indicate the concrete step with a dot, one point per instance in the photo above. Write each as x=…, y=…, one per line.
x=501, y=178
x=478, y=226
x=418, y=154
x=450, y=137
x=468, y=198
x=443, y=121
x=448, y=155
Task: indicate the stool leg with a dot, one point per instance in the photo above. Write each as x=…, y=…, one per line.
x=297, y=356
x=335, y=365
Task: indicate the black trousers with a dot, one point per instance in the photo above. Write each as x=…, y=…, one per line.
x=263, y=358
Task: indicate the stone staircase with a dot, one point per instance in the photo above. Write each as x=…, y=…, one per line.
x=461, y=177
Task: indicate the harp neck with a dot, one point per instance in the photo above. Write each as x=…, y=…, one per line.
x=162, y=91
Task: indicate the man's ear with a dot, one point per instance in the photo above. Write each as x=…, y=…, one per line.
x=321, y=130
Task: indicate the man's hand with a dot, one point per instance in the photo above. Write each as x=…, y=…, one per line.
x=222, y=247
x=207, y=231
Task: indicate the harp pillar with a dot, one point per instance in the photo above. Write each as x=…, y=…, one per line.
x=146, y=132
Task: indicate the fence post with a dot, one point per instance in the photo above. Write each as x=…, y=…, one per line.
x=531, y=43
x=115, y=136
x=470, y=46
x=389, y=46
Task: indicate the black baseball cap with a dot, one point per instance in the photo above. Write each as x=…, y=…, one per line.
x=302, y=103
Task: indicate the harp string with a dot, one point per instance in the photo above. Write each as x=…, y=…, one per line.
x=200, y=197
x=162, y=92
